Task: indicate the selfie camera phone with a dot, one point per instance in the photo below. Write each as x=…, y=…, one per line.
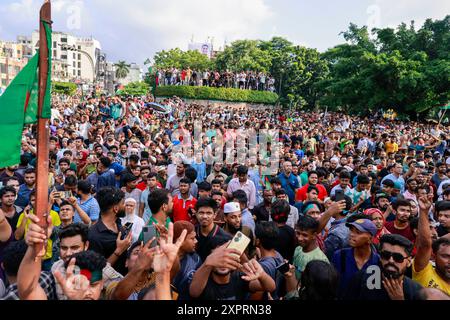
x=239, y=242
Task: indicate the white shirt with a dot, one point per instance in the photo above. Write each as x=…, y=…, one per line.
x=138, y=224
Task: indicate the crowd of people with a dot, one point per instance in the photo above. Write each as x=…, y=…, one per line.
x=334, y=207
x=249, y=80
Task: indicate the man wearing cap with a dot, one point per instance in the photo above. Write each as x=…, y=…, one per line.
x=360, y=255
x=233, y=224
x=131, y=191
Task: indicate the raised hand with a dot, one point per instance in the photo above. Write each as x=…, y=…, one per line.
x=424, y=204
x=167, y=251
x=252, y=270
x=146, y=254
x=394, y=288
x=36, y=234
x=73, y=285
x=123, y=245
x=223, y=257
x=337, y=207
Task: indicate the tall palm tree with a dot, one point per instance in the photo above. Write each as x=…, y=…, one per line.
x=122, y=69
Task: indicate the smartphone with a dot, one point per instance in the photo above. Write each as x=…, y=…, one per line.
x=126, y=229
x=239, y=242
x=149, y=232
x=283, y=268
x=339, y=195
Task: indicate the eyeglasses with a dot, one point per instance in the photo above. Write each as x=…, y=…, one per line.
x=386, y=255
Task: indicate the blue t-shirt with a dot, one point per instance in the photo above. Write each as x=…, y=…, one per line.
x=345, y=264
x=289, y=184
x=188, y=266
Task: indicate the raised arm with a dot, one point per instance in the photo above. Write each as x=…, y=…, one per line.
x=335, y=208
x=423, y=241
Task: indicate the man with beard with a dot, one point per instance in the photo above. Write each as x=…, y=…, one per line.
x=233, y=224
x=218, y=277
x=423, y=271
x=262, y=210
x=105, y=237
x=391, y=284
x=402, y=210
x=382, y=203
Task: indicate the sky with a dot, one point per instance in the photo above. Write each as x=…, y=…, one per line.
x=136, y=29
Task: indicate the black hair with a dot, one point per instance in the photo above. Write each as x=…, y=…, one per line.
x=6, y=189
x=185, y=181
x=363, y=179
x=267, y=233
x=216, y=181
x=348, y=202
x=242, y=170
x=157, y=199
x=204, y=186
x=313, y=172
x=66, y=203
x=401, y=203
x=306, y=222
x=279, y=192
x=397, y=240
x=108, y=197
x=358, y=216
x=84, y=186
x=29, y=170
x=64, y=160
x=216, y=193
x=89, y=260
x=13, y=255
x=311, y=188
x=74, y=229
x=152, y=175
x=129, y=177
x=275, y=180
x=191, y=174
x=71, y=181
x=69, y=152
x=344, y=174
x=440, y=242
x=206, y=202
x=240, y=196
x=280, y=211
x=134, y=158
x=105, y=161
x=319, y=281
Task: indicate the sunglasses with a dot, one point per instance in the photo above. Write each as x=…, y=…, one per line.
x=386, y=255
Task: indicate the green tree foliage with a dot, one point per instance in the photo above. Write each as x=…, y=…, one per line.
x=221, y=94
x=243, y=55
x=67, y=88
x=122, y=69
x=139, y=88
x=402, y=69
x=181, y=60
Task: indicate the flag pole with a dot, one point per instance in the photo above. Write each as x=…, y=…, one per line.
x=42, y=164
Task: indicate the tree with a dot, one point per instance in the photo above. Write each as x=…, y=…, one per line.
x=122, y=69
x=243, y=55
x=136, y=89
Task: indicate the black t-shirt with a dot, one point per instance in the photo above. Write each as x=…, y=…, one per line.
x=14, y=219
x=206, y=244
x=103, y=241
x=358, y=288
x=261, y=212
x=236, y=289
x=286, y=242
x=441, y=231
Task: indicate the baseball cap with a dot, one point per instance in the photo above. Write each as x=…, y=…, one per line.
x=381, y=195
x=364, y=225
x=397, y=186
x=231, y=207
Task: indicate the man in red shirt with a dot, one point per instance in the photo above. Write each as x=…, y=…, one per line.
x=402, y=210
x=184, y=203
x=313, y=179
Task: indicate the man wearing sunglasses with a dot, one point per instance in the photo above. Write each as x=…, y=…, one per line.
x=387, y=280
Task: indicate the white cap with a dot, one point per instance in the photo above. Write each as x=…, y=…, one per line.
x=231, y=207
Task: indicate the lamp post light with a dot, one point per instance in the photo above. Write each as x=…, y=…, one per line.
x=75, y=49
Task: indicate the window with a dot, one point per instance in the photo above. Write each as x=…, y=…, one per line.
x=74, y=64
x=54, y=53
x=74, y=73
x=64, y=57
x=2, y=68
x=64, y=40
x=4, y=82
x=79, y=73
x=54, y=44
x=79, y=56
x=74, y=56
x=79, y=47
x=79, y=65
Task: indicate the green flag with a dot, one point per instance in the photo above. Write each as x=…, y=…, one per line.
x=19, y=106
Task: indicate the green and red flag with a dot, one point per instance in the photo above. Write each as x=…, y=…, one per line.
x=19, y=106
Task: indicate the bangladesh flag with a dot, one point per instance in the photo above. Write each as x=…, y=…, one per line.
x=19, y=106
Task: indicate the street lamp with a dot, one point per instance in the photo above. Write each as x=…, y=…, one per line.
x=73, y=48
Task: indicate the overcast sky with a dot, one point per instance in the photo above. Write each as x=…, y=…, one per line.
x=137, y=29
